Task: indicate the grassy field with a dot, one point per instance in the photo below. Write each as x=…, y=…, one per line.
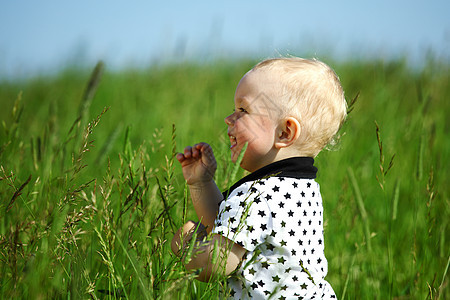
x=91, y=195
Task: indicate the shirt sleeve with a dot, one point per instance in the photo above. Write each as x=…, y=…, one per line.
x=244, y=217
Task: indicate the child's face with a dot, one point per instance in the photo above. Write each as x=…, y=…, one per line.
x=254, y=121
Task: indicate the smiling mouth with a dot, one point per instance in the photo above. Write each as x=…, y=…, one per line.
x=233, y=141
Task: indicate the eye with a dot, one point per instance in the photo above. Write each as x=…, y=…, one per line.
x=241, y=109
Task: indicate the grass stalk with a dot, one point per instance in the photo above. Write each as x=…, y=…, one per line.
x=361, y=207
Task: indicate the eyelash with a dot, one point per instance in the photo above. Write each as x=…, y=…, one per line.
x=242, y=110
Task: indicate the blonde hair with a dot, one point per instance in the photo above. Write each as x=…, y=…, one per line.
x=309, y=91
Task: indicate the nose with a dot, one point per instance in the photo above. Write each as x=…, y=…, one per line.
x=230, y=120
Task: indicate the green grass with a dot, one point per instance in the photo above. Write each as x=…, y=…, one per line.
x=91, y=195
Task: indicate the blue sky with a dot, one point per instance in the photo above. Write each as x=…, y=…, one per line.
x=41, y=36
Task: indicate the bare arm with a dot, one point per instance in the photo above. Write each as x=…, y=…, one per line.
x=215, y=257
x=199, y=166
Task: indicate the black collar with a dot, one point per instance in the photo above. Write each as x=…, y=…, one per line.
x=294, y=167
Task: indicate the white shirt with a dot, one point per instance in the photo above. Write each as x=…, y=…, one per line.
x=276, y=214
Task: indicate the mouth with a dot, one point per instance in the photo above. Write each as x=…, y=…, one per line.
x=233, y=141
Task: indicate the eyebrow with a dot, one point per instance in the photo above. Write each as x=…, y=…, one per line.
x=242, y=101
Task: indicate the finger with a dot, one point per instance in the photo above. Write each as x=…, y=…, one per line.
x=195, y=151
x=180, y=157
x=208, y=154
x=188, y=152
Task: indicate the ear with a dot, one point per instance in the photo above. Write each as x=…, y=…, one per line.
x=288, y=132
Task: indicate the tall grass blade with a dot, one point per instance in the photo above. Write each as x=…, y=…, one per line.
x=395, y=199
x=90, y=90
x=237, y=165
x=352, y=103
x=144, y=288
x=419, y=162
x=362, y=209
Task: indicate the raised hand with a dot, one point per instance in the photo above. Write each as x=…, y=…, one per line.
x=198, y=163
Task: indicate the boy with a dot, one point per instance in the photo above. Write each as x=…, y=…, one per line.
x=268, y=226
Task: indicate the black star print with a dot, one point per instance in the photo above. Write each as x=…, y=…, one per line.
x=276, y=278
x=266, y=292
x=291, y=213
x=254, y=285
x=253, y=190
x=283, y=288
x=304, y=213
x=292, y=232
x=313, y=193
x=314, y=231
x=265, y=265
x=261, y=213
x=281, y=260
x=283, y=243
x=281, y=178
x=319, y=260
x=227, y=208
x=304, y=251
x=240, y=193
x=303, y=286
x=232, y=219
x=250, y=228
x=252, y=271
x=287, y=196
x=232, y=293
x=299, y=222
x=282, y=298
x=304, y=231
x=287, y=270
x=242, y=204
x=263, y=226
x=299, y=204
x=281, y=204
x=273, y=214
x=308, y=185
x=303, y=194
x=309, y=203
x=270, y=247
x=309, y=222
x=295, y=184
x=257, y=200
x=293, y=252
x=273, y=233
x=320, y=242
x=283, y=224
x=268, y=197
x=254, y=242
x=276, y=189
x=300, y=242
x=261, y=182
x=261, y=283
x=295, y=278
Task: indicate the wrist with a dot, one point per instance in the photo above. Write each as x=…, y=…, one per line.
x=201, y=184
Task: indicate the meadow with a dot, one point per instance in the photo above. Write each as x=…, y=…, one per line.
x=90, y=193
